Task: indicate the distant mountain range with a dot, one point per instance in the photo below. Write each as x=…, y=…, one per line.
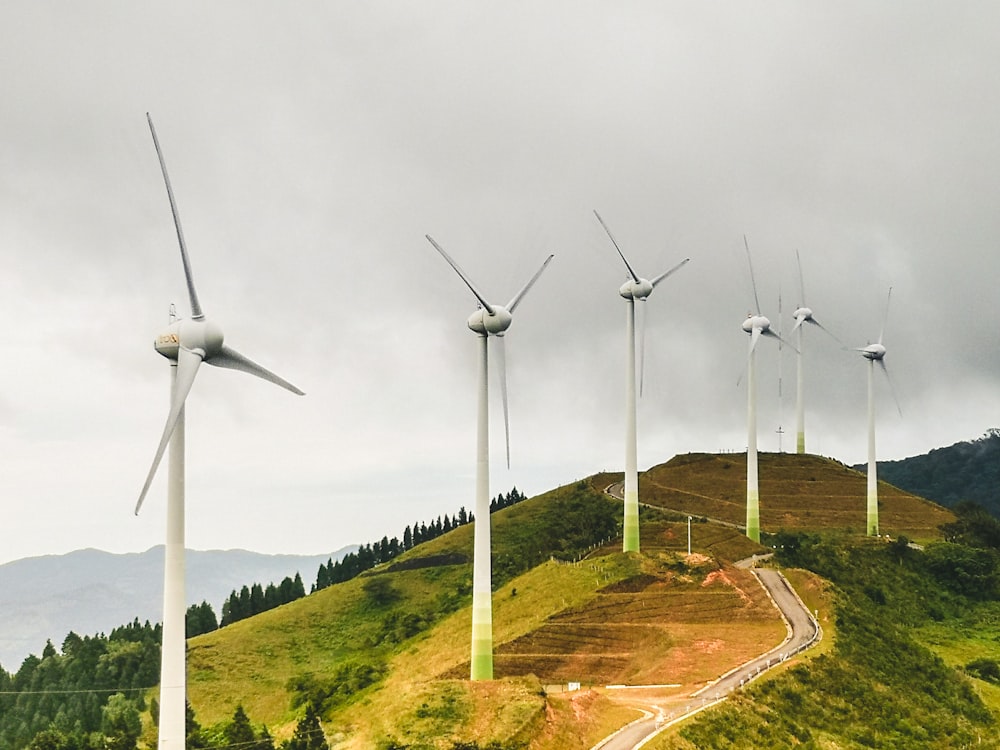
x=969, y=470
x=90, y=591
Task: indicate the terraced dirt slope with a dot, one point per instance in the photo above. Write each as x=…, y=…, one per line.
x=796, y=492
x=651, y=630
x=663, y=624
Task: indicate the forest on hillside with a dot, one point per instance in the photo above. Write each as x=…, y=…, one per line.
x=969, y=470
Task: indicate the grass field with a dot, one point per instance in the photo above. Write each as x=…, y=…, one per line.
x=796, y=492
x=387, y=653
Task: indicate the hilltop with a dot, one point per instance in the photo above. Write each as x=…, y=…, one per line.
x=796, y=492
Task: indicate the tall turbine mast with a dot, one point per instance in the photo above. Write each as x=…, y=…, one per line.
x=757, y=326
x=634, y=288
x=489, y=320
x=802, y=314
x=186, y=343
x=875, y=353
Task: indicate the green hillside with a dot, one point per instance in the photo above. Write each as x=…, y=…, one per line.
x=910, y=634
x=385, y=656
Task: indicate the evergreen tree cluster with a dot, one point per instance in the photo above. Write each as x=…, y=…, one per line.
x=200, y=619
x=239, y=734
x=376, y=553
x=85, y=697
x=254, y=599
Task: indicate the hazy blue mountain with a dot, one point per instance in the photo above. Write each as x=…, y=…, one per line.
x=969, y=470
x=90, y=591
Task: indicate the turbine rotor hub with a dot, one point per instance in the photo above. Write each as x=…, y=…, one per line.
x=873, y=352
x=632, y=289
x=200, y=335
x=803, y=312
x=485, y=324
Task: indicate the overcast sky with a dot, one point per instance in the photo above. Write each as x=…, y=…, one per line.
x=311, y=147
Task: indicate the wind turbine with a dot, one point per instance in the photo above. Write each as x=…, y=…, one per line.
x=757, y=326
x=488, y=320
x=634, y=288
x=875, y=353
x=186, y=343
x=802, y=314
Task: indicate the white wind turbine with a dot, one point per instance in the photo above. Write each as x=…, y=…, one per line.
x=802, y=314
x=634, y=288
x=875, y=353
x=757, y=326
x=186, y=343
x=488, y=320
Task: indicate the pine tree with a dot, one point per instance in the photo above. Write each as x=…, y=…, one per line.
x=239, y=733
x=256, y=600
x=308, y=733
x=298, y=588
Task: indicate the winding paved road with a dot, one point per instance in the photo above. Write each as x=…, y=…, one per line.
x=803, y=631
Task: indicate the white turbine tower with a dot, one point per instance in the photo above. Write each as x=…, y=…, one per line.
x=802, y=314
x=875, y=353
x=757, y=326
x=634, y=288
x=186, y=343
x=489, y=320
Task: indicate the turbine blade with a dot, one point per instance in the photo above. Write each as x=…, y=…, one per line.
x=885, y=315
x=501, y=357
x=188, y=276
x=188, y=362
x=753, y=282
x=632, y=273
x=517, y=297
x=468, y=282
x=233, y=360
x=665, y=274
x=755, y=336
x=825, y=330
x=892, y=389
x=642, y=343
x=773, y=335
x=802, y=285
x=798, y=322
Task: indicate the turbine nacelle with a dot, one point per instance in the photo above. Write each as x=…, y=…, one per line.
x=756, y=323
x=636, y=289
x=874, y=352
x=202, y=336
x=487, y=323
x=802, y=314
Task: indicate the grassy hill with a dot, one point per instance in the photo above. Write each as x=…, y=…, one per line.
x=796, y=492
x=385, y=655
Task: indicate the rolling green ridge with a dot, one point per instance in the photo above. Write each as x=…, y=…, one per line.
x=911, y=633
